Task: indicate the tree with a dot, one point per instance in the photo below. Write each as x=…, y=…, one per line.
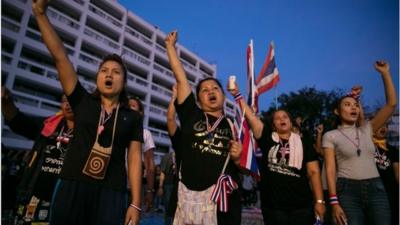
x=314, y=106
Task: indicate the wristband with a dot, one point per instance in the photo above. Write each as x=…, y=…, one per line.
x=135, y=207
x=333, y=200
x=238, y=96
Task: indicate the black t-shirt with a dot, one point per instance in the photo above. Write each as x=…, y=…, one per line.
x=129, y=128
x=281, y=186
x=54, y=152
x=203, y=157
x=384, y=160
x=50, y=155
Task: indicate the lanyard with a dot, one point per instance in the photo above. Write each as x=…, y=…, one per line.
x=210, y=129
x=104, y=117
x=357, y=145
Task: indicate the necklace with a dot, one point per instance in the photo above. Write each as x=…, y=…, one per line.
x=357, y=145
x=104, y=117
x=210, y=129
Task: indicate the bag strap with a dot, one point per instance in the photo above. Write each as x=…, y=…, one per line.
x=114, y=126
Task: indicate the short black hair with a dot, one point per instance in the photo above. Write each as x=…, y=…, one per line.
x=123, y=97
x=207, y=79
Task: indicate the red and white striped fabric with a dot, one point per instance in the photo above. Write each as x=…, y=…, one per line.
x=225, y=186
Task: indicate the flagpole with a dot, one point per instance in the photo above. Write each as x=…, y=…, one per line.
x=276, y=97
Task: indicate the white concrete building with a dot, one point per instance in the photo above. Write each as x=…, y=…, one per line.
x=90, y=29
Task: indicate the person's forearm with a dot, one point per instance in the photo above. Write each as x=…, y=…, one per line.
x=171, y=122
x=316, y=184
x=255, y=123
x=183, y=87
x=66, y=72
x=135, y=174
x=149, y=166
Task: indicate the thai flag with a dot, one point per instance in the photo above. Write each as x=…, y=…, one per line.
x=247, y=158
x=269, y=75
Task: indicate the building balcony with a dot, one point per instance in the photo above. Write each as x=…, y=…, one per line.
x=138, y=36
x=161, y=92
x=104, y=17
x=9, y=25
x=137, y=82
x=60, y=20
x=37, y=72
x=100, y=40
x=14, y=141
x=163, y=70
x=89, y=62
x=161, y=49
x=138, y=59
x=188, y=65
x=29, y=103
x=160, y=136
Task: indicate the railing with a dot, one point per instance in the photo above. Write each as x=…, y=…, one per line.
x=88, y=59
x=137, y=57
x=161, y=90
x=138, y=80
x=6, y=59
x=138, y=36
x=63, y=19
x=161, y=49
x=158, y=111
x=37, y=69
x=28, y=99
x=91, y=33
x=80, y=2
x=163, y=70
x=159, y=133
x=188, y=65
x=205, y=75
x=10, y=25
x=104, y=15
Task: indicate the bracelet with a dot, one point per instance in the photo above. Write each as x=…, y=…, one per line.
x=135, y=207
x=333, y=200
x=150, y=190
x=238, y=96
x=320, y=201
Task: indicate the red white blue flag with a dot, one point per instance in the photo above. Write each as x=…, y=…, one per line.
x=269, y=75
x=247, y=159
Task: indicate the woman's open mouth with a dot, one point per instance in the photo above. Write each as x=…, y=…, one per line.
x=108, y=83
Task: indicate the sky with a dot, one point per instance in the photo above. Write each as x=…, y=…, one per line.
x=323, y=44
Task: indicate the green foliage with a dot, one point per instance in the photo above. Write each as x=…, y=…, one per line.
x=314, y=106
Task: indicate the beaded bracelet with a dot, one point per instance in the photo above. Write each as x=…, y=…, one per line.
x=135, y=207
